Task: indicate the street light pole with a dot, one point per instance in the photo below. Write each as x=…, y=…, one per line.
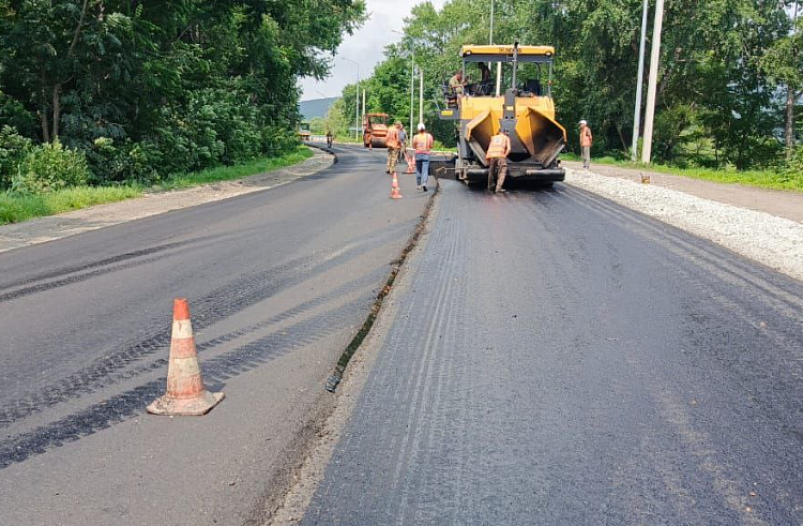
x=412, y=76
x=421, y=97
x=491, y=33
x=657, y=29
x=491, y=41
x=640, y=83
x=356, y=100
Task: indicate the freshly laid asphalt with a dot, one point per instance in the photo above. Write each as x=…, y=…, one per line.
x=556, y=359
x=278, y=283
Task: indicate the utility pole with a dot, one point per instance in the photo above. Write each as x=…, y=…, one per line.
x=640, y=83
x=412, y=85
x=657, y=29
x=490, y=42
x=363, y=104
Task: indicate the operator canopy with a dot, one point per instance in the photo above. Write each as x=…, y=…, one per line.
x=504, y=53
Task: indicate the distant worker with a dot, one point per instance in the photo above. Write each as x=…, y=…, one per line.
x=422, y=144
x=402, y=142
x=485, y=80
x=586, y=139
x=329, y=138
x=456, y=83
x=485, y=73
x=497, y=154
x=393, y=144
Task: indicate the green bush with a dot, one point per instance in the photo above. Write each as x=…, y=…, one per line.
x=794, y=169
x=129, y=162
x=50, y=167
x=13, y=150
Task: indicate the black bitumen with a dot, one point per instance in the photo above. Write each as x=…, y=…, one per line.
x=278, y=282
x=556, y=359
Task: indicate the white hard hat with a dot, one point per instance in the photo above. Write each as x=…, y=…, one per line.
x=421, y=126
x=583, y=122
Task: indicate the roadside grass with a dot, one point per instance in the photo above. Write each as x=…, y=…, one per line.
x=757, y=178
x=227, y=173
x=18, y=208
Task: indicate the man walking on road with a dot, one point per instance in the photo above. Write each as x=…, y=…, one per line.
x=392, y=141
x=402, y=142
x=497, y=157
x=422, y=144
x=585, y=143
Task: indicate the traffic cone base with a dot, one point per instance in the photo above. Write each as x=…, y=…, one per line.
x=186, y=395
x=197, y=406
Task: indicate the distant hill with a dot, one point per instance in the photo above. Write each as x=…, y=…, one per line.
x=315, y=108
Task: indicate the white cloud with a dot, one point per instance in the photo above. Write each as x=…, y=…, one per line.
x=366, y=46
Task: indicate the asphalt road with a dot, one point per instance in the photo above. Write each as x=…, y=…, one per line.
x=556, y=359
x=278, y=282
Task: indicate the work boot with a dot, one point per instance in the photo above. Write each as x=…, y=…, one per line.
x=425, y=188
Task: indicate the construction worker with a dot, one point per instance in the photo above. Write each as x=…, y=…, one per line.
x=422, y=144
x=456, y=83
x=402, y=142
x=329, y=138
x=586, y=139
x=393, y=144
x=484, y=87
x=497, y=160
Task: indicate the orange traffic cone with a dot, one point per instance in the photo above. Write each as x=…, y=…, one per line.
x=410, y=164
x=395, y=193
x=186, y=395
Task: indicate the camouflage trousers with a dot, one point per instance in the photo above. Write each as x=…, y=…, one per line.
x=500, y=166
x=393, y=158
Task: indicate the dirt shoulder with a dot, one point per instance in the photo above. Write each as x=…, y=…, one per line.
x=788, y=205
x=63, y=225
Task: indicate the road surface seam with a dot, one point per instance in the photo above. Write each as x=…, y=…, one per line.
x=287, y=501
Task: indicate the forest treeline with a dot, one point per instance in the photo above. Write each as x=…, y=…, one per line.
x=730, y=78
x=106, y=91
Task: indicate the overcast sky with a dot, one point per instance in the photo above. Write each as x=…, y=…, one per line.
x=366, y=46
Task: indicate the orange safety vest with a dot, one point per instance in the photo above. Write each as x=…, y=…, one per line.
x=422, y=143
x=500, y=145
x=585, y=136
x=392, y=138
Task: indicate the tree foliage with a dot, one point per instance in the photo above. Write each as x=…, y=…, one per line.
x=724, y=68
x=145, y=88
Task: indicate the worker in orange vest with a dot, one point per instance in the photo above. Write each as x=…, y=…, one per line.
x=585, y=143
x=422, y=144
x=497, y=160
x=393, y=144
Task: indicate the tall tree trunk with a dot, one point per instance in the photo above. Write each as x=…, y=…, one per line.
x=45, y=124
x=789, y=133
x=56, y=110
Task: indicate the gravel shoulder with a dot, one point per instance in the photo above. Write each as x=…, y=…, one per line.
x=762, y=236
x=59, y=226
x=788, y=205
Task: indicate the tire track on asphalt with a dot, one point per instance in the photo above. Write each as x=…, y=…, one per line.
x=219, y=304
x=216, y=370
x=100, y=263
x=690, y=245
